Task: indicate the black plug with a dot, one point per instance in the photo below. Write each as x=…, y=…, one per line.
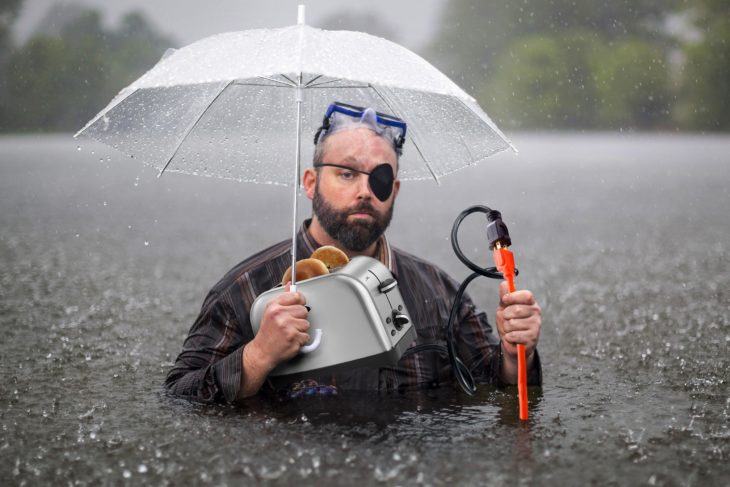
x=497, y=230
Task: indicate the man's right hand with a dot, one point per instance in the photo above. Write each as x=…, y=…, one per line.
x=283, y=329
x=282, y=333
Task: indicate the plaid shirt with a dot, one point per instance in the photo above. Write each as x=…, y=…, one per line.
x=209, y=368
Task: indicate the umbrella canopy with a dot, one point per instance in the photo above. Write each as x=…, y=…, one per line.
x=226, y=106
x=235, y=106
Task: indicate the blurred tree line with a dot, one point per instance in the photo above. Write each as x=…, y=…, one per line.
x=59, y=79
x=592, y=64
x=551, y=64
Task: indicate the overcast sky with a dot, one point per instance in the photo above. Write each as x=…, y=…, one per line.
x=414, y=21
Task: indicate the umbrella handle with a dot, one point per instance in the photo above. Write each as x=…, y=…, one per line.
x=311, y=347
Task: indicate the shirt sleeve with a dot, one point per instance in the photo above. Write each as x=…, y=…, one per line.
x=209, y=368
x=479, y=347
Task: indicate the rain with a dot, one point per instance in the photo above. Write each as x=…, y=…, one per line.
x=616, y=200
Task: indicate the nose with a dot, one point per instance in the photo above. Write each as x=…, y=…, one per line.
x=363, y=188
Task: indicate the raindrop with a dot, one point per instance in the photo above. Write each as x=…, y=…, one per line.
x=78, y=148
x=142, y=468
x=126, y=474
x=146, y=244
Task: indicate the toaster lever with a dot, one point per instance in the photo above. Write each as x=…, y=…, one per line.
x=400, y=320
x=387, y=285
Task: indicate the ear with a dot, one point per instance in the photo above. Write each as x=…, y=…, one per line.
x=309, y=181
x=396, y=188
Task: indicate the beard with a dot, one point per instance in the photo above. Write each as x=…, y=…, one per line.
x=354, y=235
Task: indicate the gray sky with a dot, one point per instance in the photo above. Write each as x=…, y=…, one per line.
x=190, y=20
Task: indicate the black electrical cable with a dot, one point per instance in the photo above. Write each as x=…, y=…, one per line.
x=490, y=272
x=461, y=371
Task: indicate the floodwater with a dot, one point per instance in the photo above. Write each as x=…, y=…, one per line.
x=623, y=238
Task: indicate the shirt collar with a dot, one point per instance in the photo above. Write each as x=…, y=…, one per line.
x=307, y=245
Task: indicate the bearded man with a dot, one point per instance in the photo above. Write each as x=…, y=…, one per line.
x=353, y=188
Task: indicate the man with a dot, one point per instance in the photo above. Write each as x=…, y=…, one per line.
x=353, y=190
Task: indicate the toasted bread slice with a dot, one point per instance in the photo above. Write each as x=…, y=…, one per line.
x=331, y=256
x=306, y=269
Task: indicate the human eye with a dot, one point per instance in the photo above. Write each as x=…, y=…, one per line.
x=347, y=175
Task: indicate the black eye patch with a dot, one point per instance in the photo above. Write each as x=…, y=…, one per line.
x=381, y=181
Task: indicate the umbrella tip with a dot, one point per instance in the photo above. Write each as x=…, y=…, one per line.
x=300, y=15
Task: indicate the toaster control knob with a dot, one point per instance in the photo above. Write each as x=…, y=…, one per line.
x=400, y=320
x=387, y=285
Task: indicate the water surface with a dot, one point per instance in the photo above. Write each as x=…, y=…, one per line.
x=623, y=238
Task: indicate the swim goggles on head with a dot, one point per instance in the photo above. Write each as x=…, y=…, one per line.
x=380, y=179
x=341, y=116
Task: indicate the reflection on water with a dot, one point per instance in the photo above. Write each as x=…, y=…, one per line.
x=622, y=238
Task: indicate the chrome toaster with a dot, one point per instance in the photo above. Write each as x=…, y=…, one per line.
x=357, y=319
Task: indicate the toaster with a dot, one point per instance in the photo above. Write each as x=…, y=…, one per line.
x=357, y=318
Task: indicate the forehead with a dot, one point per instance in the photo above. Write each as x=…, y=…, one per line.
x=360, y=147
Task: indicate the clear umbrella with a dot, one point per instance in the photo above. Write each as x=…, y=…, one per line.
x=236, y=106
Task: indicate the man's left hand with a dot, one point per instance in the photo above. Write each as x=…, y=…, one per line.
x=518, y=321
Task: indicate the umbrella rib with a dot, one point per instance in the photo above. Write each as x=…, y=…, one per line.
x=320, y=86
x=468, y=151
x=310, y=85
x=290, y=85
x=413, y=132
x=491, y=125
x=192, y=125
x=312, y=80
x=293, y=83
x=263, y=85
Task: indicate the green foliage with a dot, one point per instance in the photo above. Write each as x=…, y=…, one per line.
x=631, y=85
x=474, y=34
x=8, y=13
x=705, y=102
x=539, y=82
x=588, y=64
x=58, y=83
x=578, y=80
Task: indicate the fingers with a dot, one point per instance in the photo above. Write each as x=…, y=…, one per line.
x=518, y=297
x=288, y=298
x=301, y=325
x=525, y=337
x=518, y=319
x=520, y=324
x=516, y=311
x=520, y=330
x=503, y=289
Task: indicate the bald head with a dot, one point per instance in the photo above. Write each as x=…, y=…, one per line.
x=355, y=143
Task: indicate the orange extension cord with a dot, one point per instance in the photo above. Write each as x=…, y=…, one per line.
x=505, y=263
